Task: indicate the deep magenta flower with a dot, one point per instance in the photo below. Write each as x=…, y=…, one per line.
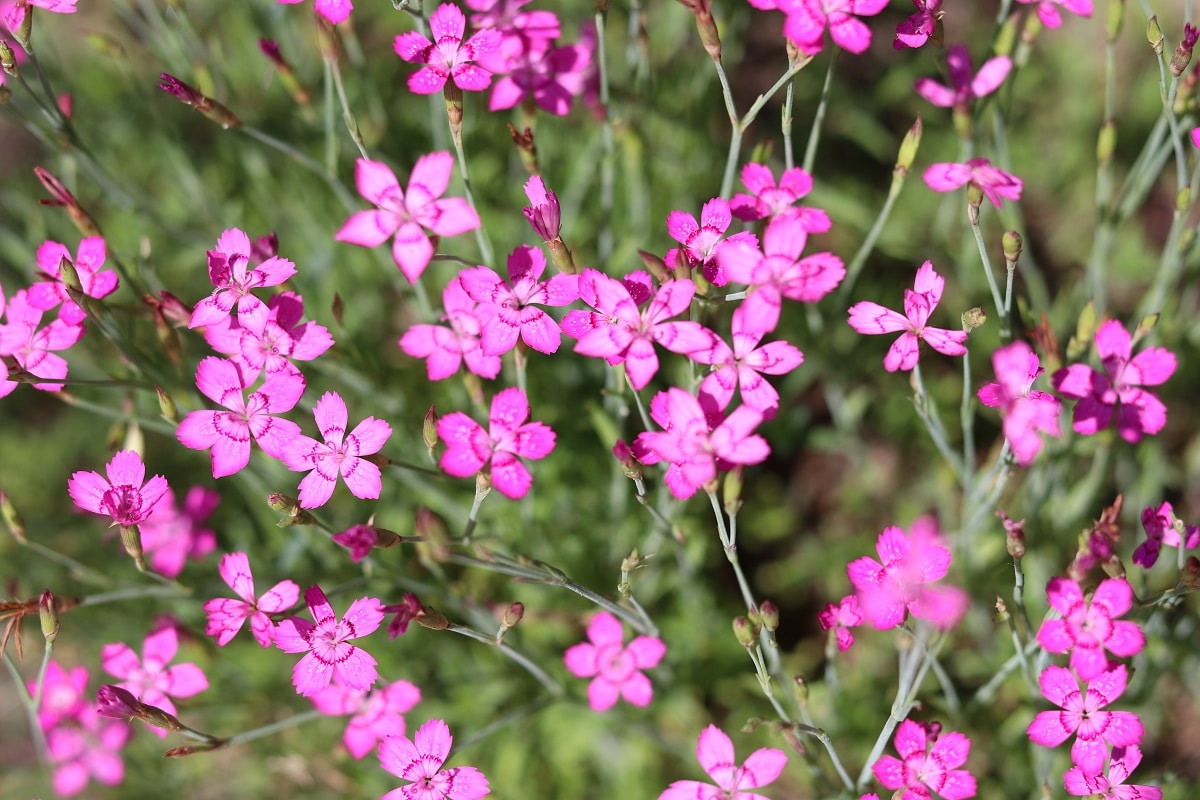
x=807, y=20
x=614, y=667
x=14, y=12
x=88, y=260
x=916, y=30
x=406, y=215
x=964, y=87
x=1118, y=391
x=230, y=272
x=509, y=438
x=271, y=350
x=899, y=581
x=929, y=763
x=1026, y=411
x=445, y=347
x=173, y=534
x=1049, y=15
x=375, y=715
x=871, y=319
x=1089, y=626
x=87, y=750
x=535, y=69
x=420, y=761
x=714, y=751
x=448, y=56
x=702, y=241
x=326, y=644
x=33, y=348
x=996, y=184
x=767, y=200
x=544, y=213
x=1081, y=713
x=341, y=453
x=509, y=18
x=1112, y=786
x=149, y=679
x=226, y=615
x=743, y=366
x=1161, y=528
x=122, y=496
x=334, y=11
x=840, y=618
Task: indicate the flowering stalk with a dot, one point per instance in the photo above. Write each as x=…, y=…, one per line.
x=551, y=685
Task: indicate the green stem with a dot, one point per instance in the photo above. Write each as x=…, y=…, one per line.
x=533, y=669
x=814, y=136
x=31, y=710
x=335, y=70
x=274, y=727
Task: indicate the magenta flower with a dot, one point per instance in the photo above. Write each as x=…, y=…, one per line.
x=714, y=751
x=334, y=11
x=1089, y=626
x=1161, y=528
x=420, y=761
x=767, y=200
x=32, y=348
x=696, y=441
x=871, y=319
x=1049, y=15
x=996, y=184
x=1111, y=786
x=614, y=667
x=14, y=13
x=447, y=56
x=916, y=30
x=899, y=581
x=90, y=257
x=703, y=240
x=963, y=86
x=329, y=654
x=807, y=20
x=508, y=439
x=840, y=618
x=149, y=679
x=619, y=332
x=1118, y=391
x=226, y=615
x=359, y=539
x=227, y=434
x=445, y=348
x=87, y=750
x=1080, y=713
x=508, y=17
x=341, y=453
x=64, y=695
x=171, y=535
x=376, y=714
x=122, y=496
x=230, y=271
x=743, y=365
x=283, y=337
x=1195, y=136
x=929, y=763
x=408, y=609
x=534, y=69
x=406, y=215
x=1026, y=411
x=544, y=214
x=513, y=299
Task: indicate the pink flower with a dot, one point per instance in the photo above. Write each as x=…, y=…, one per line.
x=227, y=434
x=329, y=654
x=334, y=11
x=1111, y=787
x=1118, y=392
x=1026, y=411
x=619, y=333
x=420, y=761
x=230, y=271
x=807, y=20
x=743, y=365
x=703, y=240
x=1049, y=15
x=963, y=86
x=14, y=16
x=1195, y=136
x=90, y=257
x=360, y=540
x=171, y=535
x=871, y=318
x=64, y=695
x=1080, y=713
x=376, y=714
x=408, y=609
x=1162, y=528
x=445, y=348
x=32, y=348
x=86, y=750
x=149, y=679
x=507, y=17
x=614, y=667
x=917, y=29
x=926, y=769
x=406, y=215
x=994, y=182
x=534, y=69
x=766, y=200
x=696, y=441
x=515, y=315
x=447, y=56
x=226, y=615
x=1088, y=626
x=901, y=582
x=282, y=337
x=508, y=439
x=341, y=453
x=122, y=496
x=714, y=751
x=840, y=618
x=545, y=214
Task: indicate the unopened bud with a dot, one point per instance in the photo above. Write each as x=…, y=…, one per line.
x=1154, y=35
x=48, y=616
x=1106, y=141
x=189, y=95
x=429, y=432
x=8, y=59
x=629, y=463
x=974, y=200
x=435, y=540
x=166, y=406
x=1013, y=245
x=12, y=519
x=973, y=318
x=282, y=503
x=1085, y=329
x=512, y=615
x=656, y=266
x=908, y=147
x=744, y=631
x=1145, y=327
x=117, y=703
x=433, y=619
x=1183, y=53
x=734, y=480
x=800, y=690
x=769, y=613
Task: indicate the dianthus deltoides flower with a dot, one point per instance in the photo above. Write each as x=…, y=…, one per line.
x=420, y=761
x=614, y=667
x=1026, y=411
x=714, y=751
x=326, y=643
x=447, y=57
x=1089, y=625
x=122, y=496
x=930, y=761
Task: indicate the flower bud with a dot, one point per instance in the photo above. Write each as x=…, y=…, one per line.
x=166, y=406
x=1085, y=331
x=1154, y=35
x=734, y=480
x=282, y=503
x=432, y=619
x=973, y=318
x=1145, y=327
x=744, y=631
x=131, y=540
x=8, y=59
x=1183, y=53
x=117, y=703
x=629, y=463
x=429, y=432
x=435, y=540
x=408, y=609
x=656, y=266
x=63, y=197
x=189, y=95
x=1013, y=244
x=1106, y=141
x=48, y=616
x=12, y=519
x=770, y=615
x=908, y=148
x=800, y=690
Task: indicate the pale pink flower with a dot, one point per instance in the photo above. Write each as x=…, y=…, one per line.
x=445, y=348
x=326, y=644
x=229, y=270
x=964, y=87
x=768, y=200
x=916, y=30
x=86, y=750
x=996, y=184
x=509, y=438
x=64, y=695
x=227, y=434
x=515, y=315
x=1118, y=391
x=88, y=260
x=171, y=535
x=534, y=69
x=1049, y=15
x=544, y=214
x=807, y=20
x=227, y=615
x=1081, y=713
x=282, y=338
x=840, y=618
x=900, y=581
x=334, y=11
x=714, y=751
x=1161, y=528
x=376, y=714
x=149, y=679
x=930, y=761
x=340, y=454
x=406, y=215
x=743, y=365
x=13, y=13
x=871, y=319
x=614, y=667
x=1112, y=786
x=33, y=348
x=420, y=759
x=1089, y=626
x=1026, y=411
x=702, y=241
x=122, y=495
x=447, y=56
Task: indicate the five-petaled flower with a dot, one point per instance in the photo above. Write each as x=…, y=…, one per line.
x=326, y=643
x=230, y=272
x=614, y=667
x=376, y=714
x=123, y=496
x=420, y=761
x=149, y=678
x=714, y=751
x=1026, y=411
x=447, y=56
x=94, y=282
x=995, y=184
x=930, y=761
x=1080, y=713
x=282, y=337
x=226, y=615
x=32, y=347
x=768, y=200
x=446, y=348
x=341, y=453
x=964, y=87
x=916, y=30
x=1089, y=625
x=840, y=618
x=702, y=241
x=1112, y=786
x=807, y=19
x=743, y=366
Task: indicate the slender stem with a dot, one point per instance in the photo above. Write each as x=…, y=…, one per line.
x=274, y=727
x=77, y=569
x=513, y=716
x=309, y=163
x=533, y=669
x=785, y=125
x=335, y=70
x=966, y=417
x=637, y=399
x=331, y=144
x=731, y=553
x=132, y=593
x=481, y=237
x=473, y=519
x=921, y=402
x=604, y=241
x=814, y=136
x=31, y=710
x=854, y=268
x=973, y=218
